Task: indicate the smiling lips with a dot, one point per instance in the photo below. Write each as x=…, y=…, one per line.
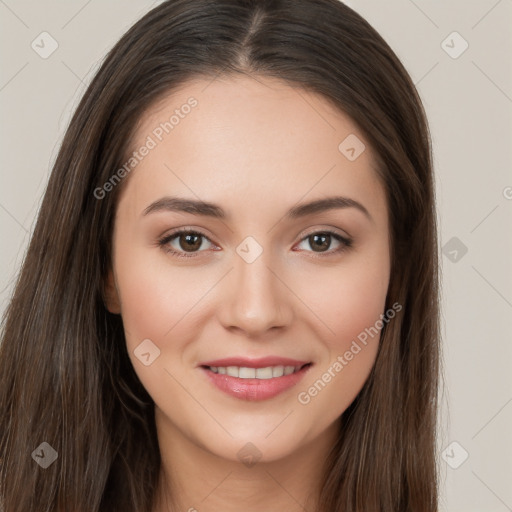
x=255, y=379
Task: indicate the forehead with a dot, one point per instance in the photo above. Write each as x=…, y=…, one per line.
x=260, y=137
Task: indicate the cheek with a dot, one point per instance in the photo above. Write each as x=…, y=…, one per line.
x=356, y=306
x=348, y=298
x=156, y=299
x=160, y=304
x=351, y=306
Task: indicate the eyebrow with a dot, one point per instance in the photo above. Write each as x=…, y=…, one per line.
x=196, y=207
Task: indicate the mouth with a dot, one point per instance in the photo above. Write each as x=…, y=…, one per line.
x=255, y=381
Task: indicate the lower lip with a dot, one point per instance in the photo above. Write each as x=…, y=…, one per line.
x=255, y=389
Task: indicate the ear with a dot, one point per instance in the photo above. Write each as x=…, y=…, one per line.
x=111, y=295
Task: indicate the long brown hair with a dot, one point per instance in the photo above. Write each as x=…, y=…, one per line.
x=65, y=375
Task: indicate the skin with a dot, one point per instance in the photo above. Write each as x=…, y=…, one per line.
x=256, y=147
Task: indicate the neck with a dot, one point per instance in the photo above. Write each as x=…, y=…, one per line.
x=194, y=479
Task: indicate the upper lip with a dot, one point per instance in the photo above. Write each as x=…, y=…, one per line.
x=261, y=362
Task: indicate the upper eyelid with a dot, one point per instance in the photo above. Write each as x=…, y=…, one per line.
x=180, y=231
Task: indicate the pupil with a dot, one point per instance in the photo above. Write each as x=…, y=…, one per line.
x=189, y=244
x=325, y=237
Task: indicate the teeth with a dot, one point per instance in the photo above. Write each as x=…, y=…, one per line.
x=264, y=373
x=232, y=371
x=247, y=373
x=288, y=370
x=277, y=371
x=243, y=372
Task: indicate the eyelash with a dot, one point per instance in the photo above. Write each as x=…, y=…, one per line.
x=164, y=243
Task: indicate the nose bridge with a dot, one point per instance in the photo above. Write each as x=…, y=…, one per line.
x=256, y=300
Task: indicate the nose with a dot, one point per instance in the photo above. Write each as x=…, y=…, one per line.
x=255, y=299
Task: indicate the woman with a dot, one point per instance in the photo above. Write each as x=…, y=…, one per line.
x=230, y=299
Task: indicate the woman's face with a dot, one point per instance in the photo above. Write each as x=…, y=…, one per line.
x=261, y=279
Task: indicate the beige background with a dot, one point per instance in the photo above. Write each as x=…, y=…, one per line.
x=469, y=104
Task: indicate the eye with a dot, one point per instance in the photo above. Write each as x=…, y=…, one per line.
x=322, y=240
x=186, y=244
